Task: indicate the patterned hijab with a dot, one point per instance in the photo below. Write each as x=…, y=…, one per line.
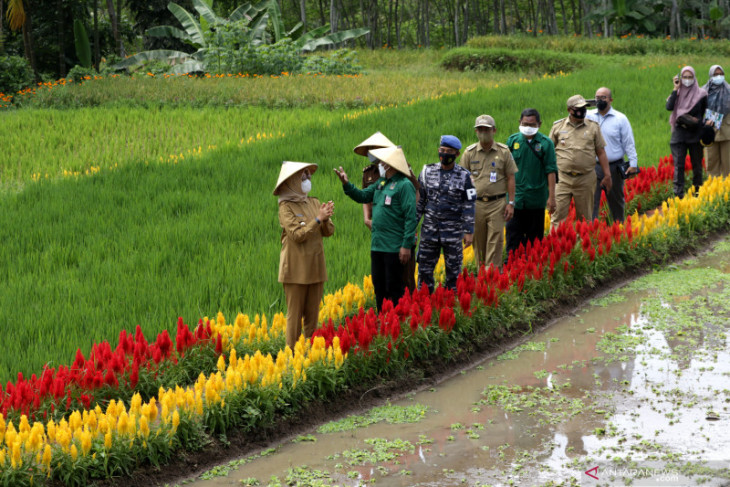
x=718, y=96
x=687, y=98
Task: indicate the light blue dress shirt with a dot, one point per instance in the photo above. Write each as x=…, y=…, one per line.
x=617, y=133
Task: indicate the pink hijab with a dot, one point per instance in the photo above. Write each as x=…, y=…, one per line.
x=687, y=98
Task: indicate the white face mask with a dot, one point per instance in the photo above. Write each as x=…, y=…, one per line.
x=307, y=186
x=382, y=170
x=718, y=80
x=528, y=131
x=688, y=82
x=372, y=158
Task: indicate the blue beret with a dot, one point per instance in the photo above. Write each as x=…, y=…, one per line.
x=450, y=141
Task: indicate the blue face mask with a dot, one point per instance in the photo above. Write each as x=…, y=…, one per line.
x=718, y=80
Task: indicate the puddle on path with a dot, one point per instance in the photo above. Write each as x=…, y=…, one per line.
x=636, y=383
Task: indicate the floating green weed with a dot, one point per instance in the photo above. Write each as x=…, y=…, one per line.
x=612, y=298
x=383, y=450
x=392, y=414
x=305, y=476
x=525, y=347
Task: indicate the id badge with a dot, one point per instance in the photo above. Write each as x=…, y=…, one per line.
x=387, y=200
x=493, y=177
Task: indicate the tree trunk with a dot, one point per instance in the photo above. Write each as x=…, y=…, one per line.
x=427, y=22
x=465, y=30
x=565, y=17
x=333, y=16
x=456, y=23
x=61, y=13
x=504, y=16
x=516, y=15
x=97, y=48
x=397, y=25
x=115, y=27
x=322, y=18
x=28, y=40
x=2, y=21
x=496, y=17
x=390, y=21
x=303, y=14
x=552, y=17
x=587, y=23
x=673, y=15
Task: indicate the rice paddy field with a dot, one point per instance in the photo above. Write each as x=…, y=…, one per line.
x=136, y=201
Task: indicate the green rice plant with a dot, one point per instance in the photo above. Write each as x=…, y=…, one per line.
x=144, y=243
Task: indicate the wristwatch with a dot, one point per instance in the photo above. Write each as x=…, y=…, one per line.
x=511, y=203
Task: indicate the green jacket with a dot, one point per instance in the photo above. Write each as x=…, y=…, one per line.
x=394, y=212
x=531, y=183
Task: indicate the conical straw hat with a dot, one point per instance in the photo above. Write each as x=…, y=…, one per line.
x=394, y=157
x=289, y=168
x=375, y=141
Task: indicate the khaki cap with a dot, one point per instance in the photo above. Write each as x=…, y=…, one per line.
x=576, y=101
x=375, y=141
x=394, y=157
x=484, y=121
x=289, y=169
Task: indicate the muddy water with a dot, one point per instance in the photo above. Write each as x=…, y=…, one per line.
x=632, y=388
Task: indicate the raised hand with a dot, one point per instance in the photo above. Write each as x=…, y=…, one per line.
x=342, y=175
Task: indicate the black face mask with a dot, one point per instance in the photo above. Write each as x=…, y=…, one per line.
x=601, y=105
x=579, y=113
x=447, y=159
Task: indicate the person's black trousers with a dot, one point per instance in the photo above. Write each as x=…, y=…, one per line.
x=387, y=274
x=526, y=225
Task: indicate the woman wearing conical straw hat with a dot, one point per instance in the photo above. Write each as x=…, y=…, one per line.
x=302, y=271
x=394, y=221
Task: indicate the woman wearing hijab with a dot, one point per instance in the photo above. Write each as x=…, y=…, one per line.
x=717, y=155
x=304, y=221
x=688, y=103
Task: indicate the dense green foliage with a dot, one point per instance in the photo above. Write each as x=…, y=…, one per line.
x=470, y=59
x=627, y=46
x=15, y=74
x=144, y=242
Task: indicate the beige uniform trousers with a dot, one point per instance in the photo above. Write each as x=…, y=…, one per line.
x=489, y=232
x=302, y=302
x=578, y=188
x=718, y=158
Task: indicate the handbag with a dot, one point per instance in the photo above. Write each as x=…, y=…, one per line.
x=688, y=122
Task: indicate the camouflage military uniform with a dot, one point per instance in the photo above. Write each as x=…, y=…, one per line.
x=446, y=204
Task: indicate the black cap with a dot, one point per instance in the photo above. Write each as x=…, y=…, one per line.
x=707, y=135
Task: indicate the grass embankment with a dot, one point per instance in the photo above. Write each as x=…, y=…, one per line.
x=144, y=243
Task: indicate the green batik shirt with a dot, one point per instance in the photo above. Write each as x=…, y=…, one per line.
x=394, y=212
x=531, y=182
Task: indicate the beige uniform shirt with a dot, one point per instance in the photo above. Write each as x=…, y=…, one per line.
x=575, y=145
x=302, y=253
x=489, y=169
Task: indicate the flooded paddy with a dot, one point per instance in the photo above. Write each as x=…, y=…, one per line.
x=631, y=389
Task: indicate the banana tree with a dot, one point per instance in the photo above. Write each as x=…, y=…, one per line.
x=253, y=19
x=192, y=32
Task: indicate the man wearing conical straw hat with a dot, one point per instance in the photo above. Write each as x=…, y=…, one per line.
x=370, y=174
x=394, y=221
x=302, y=271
